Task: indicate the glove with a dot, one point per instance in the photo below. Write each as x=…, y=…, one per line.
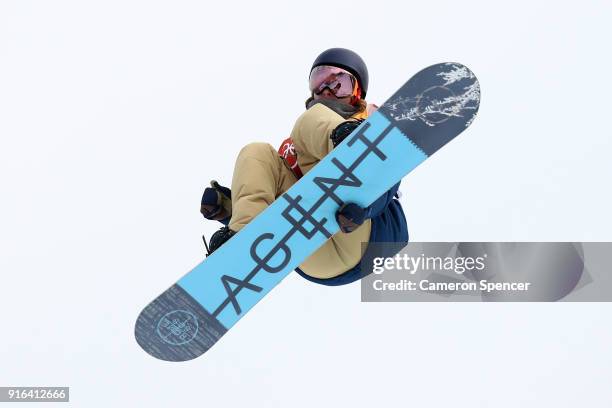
x=211, y=206
x=343, y=130
x=350, y=216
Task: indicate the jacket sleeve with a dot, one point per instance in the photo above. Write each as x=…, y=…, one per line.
x=381, y=202
x=311, y=133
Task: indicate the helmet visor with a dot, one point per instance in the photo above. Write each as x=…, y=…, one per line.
x=339, y=81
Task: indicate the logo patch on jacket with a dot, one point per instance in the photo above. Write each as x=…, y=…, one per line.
x=288, y=154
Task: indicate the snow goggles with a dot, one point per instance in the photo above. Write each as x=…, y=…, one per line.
x=339, y=81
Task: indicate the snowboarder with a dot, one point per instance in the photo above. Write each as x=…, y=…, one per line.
x=338, y=84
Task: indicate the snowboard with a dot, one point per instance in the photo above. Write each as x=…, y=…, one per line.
x=429, y=110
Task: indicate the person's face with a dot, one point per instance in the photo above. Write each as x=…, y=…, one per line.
x=327, y=94
x=329, y=77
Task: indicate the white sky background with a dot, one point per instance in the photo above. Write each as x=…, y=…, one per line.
x=114, y=116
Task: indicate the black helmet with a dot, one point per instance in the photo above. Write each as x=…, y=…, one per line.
x=345, y=59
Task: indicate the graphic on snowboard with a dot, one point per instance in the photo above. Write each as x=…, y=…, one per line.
x=429, y=110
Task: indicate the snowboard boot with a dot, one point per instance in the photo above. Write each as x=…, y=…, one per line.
x=212, y=205
x=217, y=239
x=344, y=129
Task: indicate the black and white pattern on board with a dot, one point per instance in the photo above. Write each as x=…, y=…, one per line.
x=458, y=91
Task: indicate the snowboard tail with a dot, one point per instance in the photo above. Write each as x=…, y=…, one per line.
x=431, y=109
x=173, y=325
